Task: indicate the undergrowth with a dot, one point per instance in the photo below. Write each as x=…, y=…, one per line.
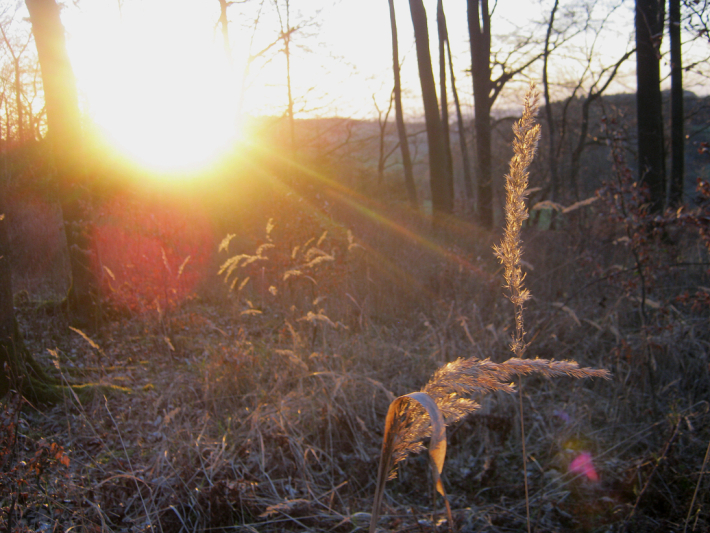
x=262, y=409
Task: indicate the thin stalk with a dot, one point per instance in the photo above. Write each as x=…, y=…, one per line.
x=527, y=135
x=695, y=493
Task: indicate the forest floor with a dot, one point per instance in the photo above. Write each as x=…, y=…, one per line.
x=263, y=409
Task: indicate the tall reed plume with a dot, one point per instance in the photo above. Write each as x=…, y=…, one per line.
x=446, y=398
x=527, y=135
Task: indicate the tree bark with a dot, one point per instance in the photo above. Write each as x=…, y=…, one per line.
x=64, y=133
x=399, y=117
x=677, y=134
x=649, y=111
x=442, y=200
x=479, y=29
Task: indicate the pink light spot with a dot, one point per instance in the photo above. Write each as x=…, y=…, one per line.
x=582, y=464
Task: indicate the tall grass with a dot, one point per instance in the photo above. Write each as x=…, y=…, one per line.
x=446, y=398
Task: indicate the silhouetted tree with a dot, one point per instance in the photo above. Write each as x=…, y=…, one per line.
x=287, y=32
x=399, y=116
x=466, y=163
x=486, y=90
x=548, y=106
x=443, y=41
x=224, y=27
x=64, y=133
x=593, y=81
x=383, y=155
x=649, y=19
x=17, y=366
x=16, y=55
x=479, y=29
x=439, y=176
x=677, y=118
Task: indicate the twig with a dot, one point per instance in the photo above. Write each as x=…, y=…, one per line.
x=697, y=486
x=666, y=448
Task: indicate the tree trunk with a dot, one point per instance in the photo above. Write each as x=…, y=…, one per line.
x=554, y=185
x=649, y=112
x=9, y=342
x=64, y=133
x=291, y=118
x=480, y=38
x=224, y=26
x=18, y=368
x=576, y=160
x=467, y=181
x=399, y=117
x=677, y=135
x=18, y=100
x=286, y=36
x=443, y=41
x=442, y=200
x=382, y=156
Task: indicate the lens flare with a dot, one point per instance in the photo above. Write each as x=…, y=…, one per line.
x=582, y=465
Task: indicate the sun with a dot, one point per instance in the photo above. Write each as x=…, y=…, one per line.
x=156, y=83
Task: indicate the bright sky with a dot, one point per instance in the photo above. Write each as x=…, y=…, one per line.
x=155, y=75
x=340, y=58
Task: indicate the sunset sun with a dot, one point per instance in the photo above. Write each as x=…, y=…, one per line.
x=161, y=100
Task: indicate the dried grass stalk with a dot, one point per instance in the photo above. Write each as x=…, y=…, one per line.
x=446, y=397
x=510, y=251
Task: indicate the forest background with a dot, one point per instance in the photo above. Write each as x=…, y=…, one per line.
x=232, y=234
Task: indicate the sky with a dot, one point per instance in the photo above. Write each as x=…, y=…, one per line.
x=341, y=58
x=156, y=78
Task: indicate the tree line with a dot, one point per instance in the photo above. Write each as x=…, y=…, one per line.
x=650, y=24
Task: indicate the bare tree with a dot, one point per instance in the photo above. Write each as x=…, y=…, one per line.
x=548, y=104
x=224, y=27
x=479, y=28
x=675, y=196
x=491, y=71
x=399, y=115
x=285, y=36
x=65, y=136
x=598, y=87
x=649, y=19
x=382, y=123
x=16, y=55
x=486, y=90
x=16, y=40
x=467, y=180
x=588, y=87
x=439, y=178
x=18, y=368
x=443, y=41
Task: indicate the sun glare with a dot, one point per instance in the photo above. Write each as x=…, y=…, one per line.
x=157, y=84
